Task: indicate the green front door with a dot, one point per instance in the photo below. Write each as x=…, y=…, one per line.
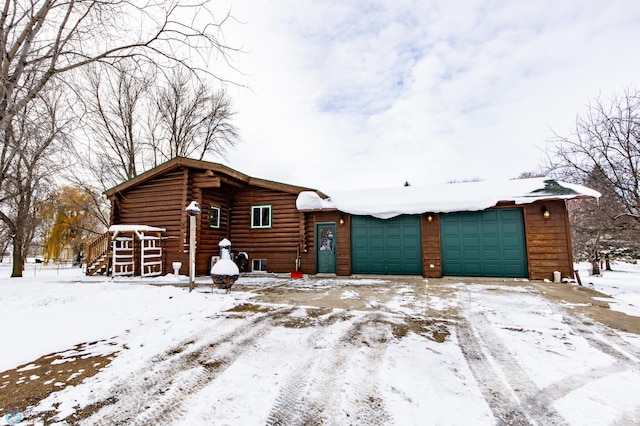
x=390, y=246
x=326, y=247
x=490, y=243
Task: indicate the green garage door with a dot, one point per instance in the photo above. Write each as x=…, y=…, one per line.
x=489, y=243
x=390, y=246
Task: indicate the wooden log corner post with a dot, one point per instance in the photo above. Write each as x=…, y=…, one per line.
x=183, y=215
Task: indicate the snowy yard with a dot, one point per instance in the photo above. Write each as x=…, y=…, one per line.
x=80, y=350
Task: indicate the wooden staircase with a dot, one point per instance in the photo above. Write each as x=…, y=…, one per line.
x=98, y=255
x=126, y=250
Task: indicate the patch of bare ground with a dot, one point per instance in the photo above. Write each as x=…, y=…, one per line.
x=30, y=383
x=581, y=300
x=426, y=327
x=314, y=317
x=250, y=308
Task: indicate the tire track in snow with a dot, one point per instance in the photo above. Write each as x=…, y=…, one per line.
x=513, y=398
x=499, y=395
x=313, y=396
x=368, y=340
x=612, y=345
x=569, y=384
x=597, y=335
x=601, y=338
x=156, y=394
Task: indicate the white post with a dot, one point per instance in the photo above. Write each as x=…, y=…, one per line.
x=193, y=210
x=192, y=251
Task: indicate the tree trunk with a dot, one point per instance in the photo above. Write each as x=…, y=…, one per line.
x=18, y=260
x=595, y=266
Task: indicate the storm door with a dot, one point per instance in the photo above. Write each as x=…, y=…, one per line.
x=326, y=247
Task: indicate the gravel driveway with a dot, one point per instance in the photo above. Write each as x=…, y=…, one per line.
x=378, y=350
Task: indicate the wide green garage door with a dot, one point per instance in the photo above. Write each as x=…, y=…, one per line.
x=489, y=243
x=390, y=246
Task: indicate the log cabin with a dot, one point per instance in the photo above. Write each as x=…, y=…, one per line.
x=258, y=216
x=516, y=229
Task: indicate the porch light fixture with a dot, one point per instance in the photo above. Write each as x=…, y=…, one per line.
x=341, y=219
x=430, y=218
x=545, y=212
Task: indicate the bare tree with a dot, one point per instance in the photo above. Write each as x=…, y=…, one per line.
x=36, y=129
x=192, y=120
x=5, y=240
x=43, y=41
x=115, y=118
x=603, y=152
x=597, y=230
x=532, y=174
x=606, y=137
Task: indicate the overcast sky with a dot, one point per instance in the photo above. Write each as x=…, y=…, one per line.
x=361, y=94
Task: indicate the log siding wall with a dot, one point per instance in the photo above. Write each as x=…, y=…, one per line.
x=431, y=252
x=161, y=202
x=548, y=240
x=277, y=244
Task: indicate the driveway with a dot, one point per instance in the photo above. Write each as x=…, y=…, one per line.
x=380, y=350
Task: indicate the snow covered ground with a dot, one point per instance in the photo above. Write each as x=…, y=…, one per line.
x=314, y=351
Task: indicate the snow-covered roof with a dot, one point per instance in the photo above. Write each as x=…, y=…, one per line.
x=385, y=203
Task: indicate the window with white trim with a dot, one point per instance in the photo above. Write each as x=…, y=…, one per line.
x=214, y=217
x=259, y=265
x=261, y=216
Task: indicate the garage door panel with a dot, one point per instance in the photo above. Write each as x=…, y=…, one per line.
x=491, y=241
x=492, y=255
x=471, y=255
x=470, y=241
x=469, y=228
x=393, y=255
x=512, y=270
x=510, y=214
x=391, y=246
x=511, y=228
x=489, y=215
x=451, y=241
x=471, y=268
x=495, y=269
x=512, y=255
x=512, y=241
x=487, y=243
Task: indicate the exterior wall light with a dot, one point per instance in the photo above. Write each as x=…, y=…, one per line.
x=545, y=212
x=341, y=219
x=430, y=218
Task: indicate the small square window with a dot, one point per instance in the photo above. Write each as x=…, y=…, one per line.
x=259, y=265
x=214, y=217
x=261, y=216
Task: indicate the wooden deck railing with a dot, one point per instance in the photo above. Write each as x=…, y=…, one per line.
x=96, y=253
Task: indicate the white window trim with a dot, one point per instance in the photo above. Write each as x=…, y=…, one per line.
x=262, y=206
x=216, y=226
x=261, y=262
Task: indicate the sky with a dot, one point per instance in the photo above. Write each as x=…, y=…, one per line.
x=370, y=94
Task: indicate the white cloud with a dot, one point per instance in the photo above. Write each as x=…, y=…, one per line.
x=349, y=94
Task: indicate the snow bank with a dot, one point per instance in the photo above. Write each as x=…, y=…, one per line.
x=51, y=310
